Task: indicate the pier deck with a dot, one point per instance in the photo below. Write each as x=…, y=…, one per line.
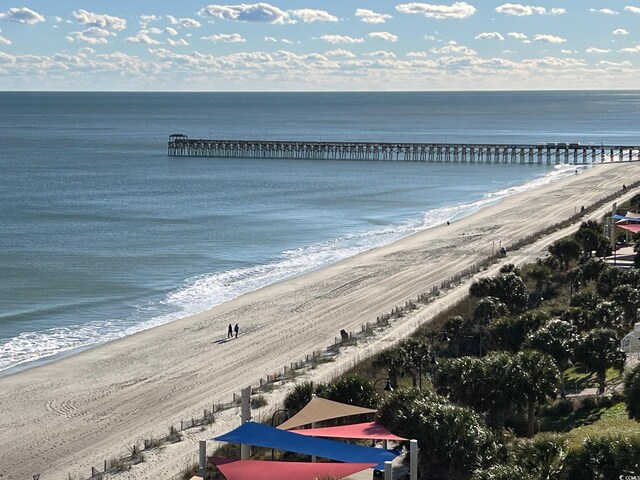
x=546, y=153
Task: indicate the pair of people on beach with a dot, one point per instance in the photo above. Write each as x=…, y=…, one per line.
x=231, y=330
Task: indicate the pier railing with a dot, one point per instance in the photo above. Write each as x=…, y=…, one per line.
x=546, y=153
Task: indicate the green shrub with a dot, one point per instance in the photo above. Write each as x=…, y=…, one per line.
x=632, y=393
x=453, y=441
x=258, y=401
x=608, y=457
x=298, y=397
x=605, y=401
x=588, y=403
x=558, y=408
x=353, y=390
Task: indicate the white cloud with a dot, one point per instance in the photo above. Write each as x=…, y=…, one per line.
x=429, y=37
x=308, y=15
x=275, y=40
x=606, y=63
x=339, y=52
x=5, y=58
x=341, y=39
x=568, y=51
x=548, y=38
x=620, y=31
x=184, y=22
x=257, y=12
x=635, y=49
x=369, y=16
x=22, y=15
x=452, y=48
x=265, y=13
x=489, y=36
x=4, y=40
x=225, y=38
x=107, y=22
x=381, y=54
x=145, y=20
x=517, y=35
x=632, y=9
x=559, y=62
x=605, y=11
x=417, y=54
x=142, y=37
x=177, y=43
x=386, y=36
x=455, y=10
x=171, y=31
x=597, y=50
x=92, y=35
x=519, y=10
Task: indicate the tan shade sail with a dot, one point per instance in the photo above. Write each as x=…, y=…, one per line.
x=319, y=409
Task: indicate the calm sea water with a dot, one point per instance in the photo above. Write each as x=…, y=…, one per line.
x=103, y=235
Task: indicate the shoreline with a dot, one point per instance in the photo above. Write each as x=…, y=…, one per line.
x=456, y=213
x=68, y=415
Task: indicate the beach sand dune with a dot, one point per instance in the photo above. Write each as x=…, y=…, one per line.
x=70, y=415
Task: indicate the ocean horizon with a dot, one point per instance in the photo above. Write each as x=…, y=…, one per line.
x=103, y=235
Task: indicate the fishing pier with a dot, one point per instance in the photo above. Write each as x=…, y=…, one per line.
x=541, y=153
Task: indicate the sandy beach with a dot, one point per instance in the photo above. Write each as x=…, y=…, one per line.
x=67, y=416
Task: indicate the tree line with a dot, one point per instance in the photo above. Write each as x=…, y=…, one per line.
x=499, y=361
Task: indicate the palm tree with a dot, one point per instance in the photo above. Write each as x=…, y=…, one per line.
x=480, y=383
x=539, y=273
x=599, y=350
x=565, y=250
x=628, y=297
x=415, y=357
x=452, y=440
x=454, y=327
x=488, y=308
x=559, y=339
x=535, y=376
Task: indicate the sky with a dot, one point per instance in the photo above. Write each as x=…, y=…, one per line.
x=312, y=45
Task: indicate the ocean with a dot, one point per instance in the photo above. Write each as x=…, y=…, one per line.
x=103, y=235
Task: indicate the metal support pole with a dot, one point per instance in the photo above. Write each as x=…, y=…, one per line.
x=313, y=457
x=612, y=231
x=245, y=410
x=202, y=464
x=388, y=471
x=413, y=460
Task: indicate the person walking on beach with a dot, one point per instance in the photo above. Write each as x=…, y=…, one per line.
x=236, y=329
x=230, y=332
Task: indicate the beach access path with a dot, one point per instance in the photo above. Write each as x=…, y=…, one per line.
x=70, y=415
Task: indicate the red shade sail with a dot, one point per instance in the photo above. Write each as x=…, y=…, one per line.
x=366, y=431
x=234, y=469
x=632, y=227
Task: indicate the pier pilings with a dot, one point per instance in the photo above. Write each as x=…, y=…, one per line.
x=547, y=153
